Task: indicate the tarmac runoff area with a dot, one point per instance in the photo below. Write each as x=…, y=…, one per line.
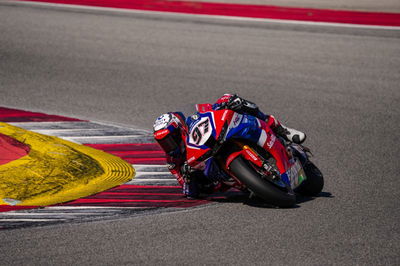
x=40, y=170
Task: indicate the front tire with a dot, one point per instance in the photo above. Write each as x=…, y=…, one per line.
x=314, y=183
x=262, y=188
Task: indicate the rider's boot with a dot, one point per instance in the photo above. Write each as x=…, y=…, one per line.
x=290, y=134
x=285, y=132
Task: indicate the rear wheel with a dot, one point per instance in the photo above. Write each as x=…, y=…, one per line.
x=259, y=186
x=314, y=183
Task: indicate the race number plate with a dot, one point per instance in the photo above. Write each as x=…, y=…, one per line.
x=200, y=132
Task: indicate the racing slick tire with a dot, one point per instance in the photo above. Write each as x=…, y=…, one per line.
x=314, y=183
x=260, y=187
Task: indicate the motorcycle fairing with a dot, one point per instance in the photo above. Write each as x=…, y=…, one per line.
x=205, y=128
x=244, y=127
x=203, y=107
x=213, y=172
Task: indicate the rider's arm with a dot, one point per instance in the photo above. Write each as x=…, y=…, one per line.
x=240, y=105
x=174, y=166
x=182, y=172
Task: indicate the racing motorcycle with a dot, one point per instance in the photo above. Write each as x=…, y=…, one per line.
x=241, y=151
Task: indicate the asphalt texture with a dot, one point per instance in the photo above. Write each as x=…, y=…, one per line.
x=339, y=85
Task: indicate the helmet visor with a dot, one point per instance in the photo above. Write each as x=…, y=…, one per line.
x=171, y=142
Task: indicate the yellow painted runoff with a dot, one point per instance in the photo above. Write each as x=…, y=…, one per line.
x=56, y=170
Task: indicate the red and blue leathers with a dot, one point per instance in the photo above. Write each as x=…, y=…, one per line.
x=195, y=182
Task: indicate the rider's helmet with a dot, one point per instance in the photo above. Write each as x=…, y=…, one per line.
x=169, y=131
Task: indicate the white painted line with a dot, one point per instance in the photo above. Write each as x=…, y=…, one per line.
x=280, y=21
x=151, y=180
x=58, y=130
x=83, y=133
x=59, y=124
x=152, y=173
x=31, y=220
x=110, y=139
x=137, y=166
x=44, y=122
x=104, y=137
x=65, y=125
x=108, y=124
x=61, y=131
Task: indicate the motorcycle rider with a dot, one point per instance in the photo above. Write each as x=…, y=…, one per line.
x=170, y=131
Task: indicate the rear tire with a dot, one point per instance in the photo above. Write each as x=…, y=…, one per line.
x=262, y=188
x=314, y=183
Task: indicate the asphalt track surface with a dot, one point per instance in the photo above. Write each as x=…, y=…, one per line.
x=340, y=85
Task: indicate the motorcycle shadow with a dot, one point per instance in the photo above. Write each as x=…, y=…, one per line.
x=302, y=199
x=241, y=197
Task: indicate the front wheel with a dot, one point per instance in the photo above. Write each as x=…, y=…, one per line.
x=314, y=183
x=262, y=188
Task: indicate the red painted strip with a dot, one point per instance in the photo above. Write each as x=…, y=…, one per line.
x=7, y=208
x=141, y=197
x=11, y=149
x=134, y=153
x=19, y=114
x=95, y=200
x=240, y=10
x=138, y=196
x=126, y=147
x=138, y=154
x=50, y=118
x=137, y=203
x=15, y=115
x=146, y=160
x=142, y=204
x=144, y=187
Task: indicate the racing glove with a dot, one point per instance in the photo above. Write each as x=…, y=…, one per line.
x=186, y=170
x=235, y=103
x=243, y=106
x=190, y=186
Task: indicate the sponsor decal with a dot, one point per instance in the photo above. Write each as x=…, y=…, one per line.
x=236, y=120
x=203, y=107
x=224, y=115
x=161, y=134
x=271, y=141
x=225, y=98
x=252, y=156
